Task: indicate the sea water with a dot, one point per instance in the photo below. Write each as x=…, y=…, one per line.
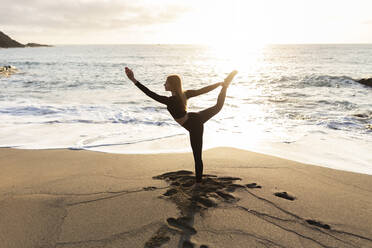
x=294, y=101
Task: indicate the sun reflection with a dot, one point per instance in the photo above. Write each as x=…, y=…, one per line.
x=245, y=116
x=239, y=42
x=238, y=56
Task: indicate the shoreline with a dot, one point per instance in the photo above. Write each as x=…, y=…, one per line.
x=68, y=198
x=347, y=157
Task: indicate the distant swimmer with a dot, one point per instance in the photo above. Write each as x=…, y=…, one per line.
x=177, y=106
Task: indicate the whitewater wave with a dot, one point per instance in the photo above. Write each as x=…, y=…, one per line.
x=86, y=144
x=314, y=80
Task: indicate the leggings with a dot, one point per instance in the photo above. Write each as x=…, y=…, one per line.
x=195, y=125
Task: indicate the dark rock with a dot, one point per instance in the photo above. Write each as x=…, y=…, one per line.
x=37, y=45
x=7, y=42
x=365, y=81
x=361, y=115
x=7, y=70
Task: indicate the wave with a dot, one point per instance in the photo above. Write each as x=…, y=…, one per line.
x=344, y=105
x=277, y=99
x=326, y=81
x=109, y=121
x=314, y=80
x=81, y=147
x=341, y=125
x=22, y=111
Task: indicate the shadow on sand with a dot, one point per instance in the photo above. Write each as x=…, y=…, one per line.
x=190, y=200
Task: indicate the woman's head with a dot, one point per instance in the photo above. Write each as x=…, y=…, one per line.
x=174, y=84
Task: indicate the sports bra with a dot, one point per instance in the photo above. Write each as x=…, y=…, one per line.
x=174, y=103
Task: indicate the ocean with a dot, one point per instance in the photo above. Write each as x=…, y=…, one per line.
x=298, y=102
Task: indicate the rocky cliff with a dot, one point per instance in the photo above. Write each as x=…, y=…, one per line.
x=7, y=42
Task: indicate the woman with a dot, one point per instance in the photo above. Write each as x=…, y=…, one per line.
x=192, y=121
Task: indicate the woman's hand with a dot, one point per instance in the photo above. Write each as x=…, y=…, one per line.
x=130, y=74
x=229, y=78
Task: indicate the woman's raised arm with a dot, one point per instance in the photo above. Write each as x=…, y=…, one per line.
x=153, y=95
x=206, y=89
x=225, y=83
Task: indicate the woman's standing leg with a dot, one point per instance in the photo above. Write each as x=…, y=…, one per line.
x=196, y=140
x=196, y=133
x=208, y=113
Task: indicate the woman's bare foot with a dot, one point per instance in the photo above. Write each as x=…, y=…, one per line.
x=229, y=78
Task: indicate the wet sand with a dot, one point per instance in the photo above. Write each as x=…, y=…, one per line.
x=66, y=198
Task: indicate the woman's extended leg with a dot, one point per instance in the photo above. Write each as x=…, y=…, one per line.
x=196, y=140
x=208, y=113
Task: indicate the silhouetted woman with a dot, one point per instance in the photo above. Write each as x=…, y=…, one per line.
x=192, y=121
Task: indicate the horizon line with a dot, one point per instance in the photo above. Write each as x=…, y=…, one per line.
x=208, y=44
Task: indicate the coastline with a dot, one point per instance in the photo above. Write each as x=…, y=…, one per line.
x=69, y=198
x=344, y=154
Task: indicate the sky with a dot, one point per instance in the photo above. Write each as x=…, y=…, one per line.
x=252, y=22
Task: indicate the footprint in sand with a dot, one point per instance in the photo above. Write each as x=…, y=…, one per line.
x=150, y=188
x=187, y=244
x=180, y=223
x=204, y=201
x=188, y=183
x=159, y=238
x=318, y=223
x=231, y=188
x=253, y=186
x=173, y=174
x=210, y=193
x=209, y=175
x=285, y=195
x=170, y=192
x=229, y=178
x=226, y=196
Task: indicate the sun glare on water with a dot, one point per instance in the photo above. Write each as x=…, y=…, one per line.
x=241, y=39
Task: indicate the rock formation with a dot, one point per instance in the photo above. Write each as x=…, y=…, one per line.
x=7, y=71
x=7, y=42
x=365, y=81
x=36, y=45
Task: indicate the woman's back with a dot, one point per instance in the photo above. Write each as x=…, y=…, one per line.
x=176, y=107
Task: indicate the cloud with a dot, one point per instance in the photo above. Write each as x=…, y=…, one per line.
x=367, y=22
x=86, y=16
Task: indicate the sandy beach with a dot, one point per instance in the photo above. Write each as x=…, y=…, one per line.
x=77, y=198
